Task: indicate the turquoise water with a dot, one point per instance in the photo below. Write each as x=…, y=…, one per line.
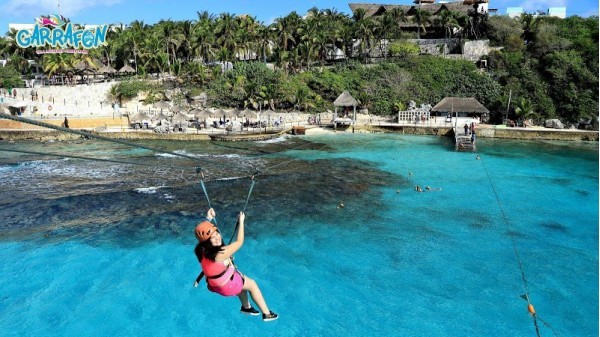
x=98, y=248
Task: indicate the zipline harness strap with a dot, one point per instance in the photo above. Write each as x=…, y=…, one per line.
x=246, y=205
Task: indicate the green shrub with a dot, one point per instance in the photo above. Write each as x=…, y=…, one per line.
x=10, y=77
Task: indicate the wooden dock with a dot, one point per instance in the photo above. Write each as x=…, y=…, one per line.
x=463, y=142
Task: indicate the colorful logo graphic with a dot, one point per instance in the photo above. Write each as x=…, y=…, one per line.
x=56, y=31
x=54, y=20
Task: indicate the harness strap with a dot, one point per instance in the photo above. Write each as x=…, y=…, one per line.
x=246, y=205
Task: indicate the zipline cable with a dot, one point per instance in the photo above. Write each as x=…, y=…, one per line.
x=2, y=149
x=91, y=135
x=525, y=296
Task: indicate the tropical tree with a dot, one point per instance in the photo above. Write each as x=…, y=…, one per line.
x=524, y=110
x=226, y=27
x=263, y=41
x=448, y=21
x=137, y=35
x=58, y=63
x=203, y=37
x=363, y=31
x=421, y=18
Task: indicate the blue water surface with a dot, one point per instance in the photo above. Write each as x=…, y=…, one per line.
x=106, y=251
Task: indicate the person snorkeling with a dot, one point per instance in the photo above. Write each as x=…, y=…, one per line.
x=222, y=276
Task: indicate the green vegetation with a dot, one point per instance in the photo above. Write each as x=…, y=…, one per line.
x=10, y=77
x=549, y=63
x=556, y=70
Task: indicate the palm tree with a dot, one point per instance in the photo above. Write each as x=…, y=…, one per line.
x=398, y=16
x=447, y=20
x=137, y=35
x=263, y=41
x=524, y=110
x=384, y=26
x=203, y=37
x=58, y=63
x=186, y=29
x=153, y=54
x=363, y=31
x=225, y=32
x=167, y=33
x=421, y=17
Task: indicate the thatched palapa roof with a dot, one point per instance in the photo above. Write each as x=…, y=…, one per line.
x=127, y=69
x=139, y=118
x=459, y=104
x=345, y=99
x=409, y=10
x=107, y=70
x=162, y=105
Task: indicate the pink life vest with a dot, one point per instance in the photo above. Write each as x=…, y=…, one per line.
x=217, y=273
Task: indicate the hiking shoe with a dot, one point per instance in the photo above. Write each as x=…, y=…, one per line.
x=271, y=316
x=249, y=311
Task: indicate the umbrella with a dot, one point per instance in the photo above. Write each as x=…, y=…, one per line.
x=219, y=112
x=127, y=69
x=159, y=117
x=83, y=65
x=107, y=70
x=248, y=113
x=203, y=114
x=139, y=118
x=180, y=119
x=231, y=113
x=162, y=105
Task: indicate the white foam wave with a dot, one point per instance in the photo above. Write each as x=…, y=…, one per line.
x=148, y=190
x=273, y=141
x=228, y=178
x=197, y=155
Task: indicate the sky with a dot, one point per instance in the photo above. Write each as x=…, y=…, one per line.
x=151, y=11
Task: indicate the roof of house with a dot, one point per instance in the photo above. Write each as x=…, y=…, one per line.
x=459, y=104
x=345, y=99
x=432, y=8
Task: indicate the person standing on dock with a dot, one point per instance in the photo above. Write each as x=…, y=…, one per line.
x=466, y=129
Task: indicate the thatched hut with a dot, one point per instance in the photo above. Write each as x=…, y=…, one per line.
x=344, y=100
x=459, y=107
x=127, y=69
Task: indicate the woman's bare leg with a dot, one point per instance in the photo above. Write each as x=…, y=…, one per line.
x=251, y=286
x=243, y=296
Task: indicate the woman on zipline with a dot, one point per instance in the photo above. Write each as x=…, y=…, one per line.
x=222, y=276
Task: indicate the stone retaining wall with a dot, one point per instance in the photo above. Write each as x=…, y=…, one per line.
x=533, y=134
x=541, y=134
x=16, y=135
x=76, y=123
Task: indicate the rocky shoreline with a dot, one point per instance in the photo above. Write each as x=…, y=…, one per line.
x=484, y=131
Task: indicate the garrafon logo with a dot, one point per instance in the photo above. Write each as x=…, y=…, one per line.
x=56, y=31
x=54, y=20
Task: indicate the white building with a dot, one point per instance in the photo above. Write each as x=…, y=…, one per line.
x=559, y=12
x=514, y=12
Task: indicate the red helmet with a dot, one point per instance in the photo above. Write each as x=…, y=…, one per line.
x=204, y=230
